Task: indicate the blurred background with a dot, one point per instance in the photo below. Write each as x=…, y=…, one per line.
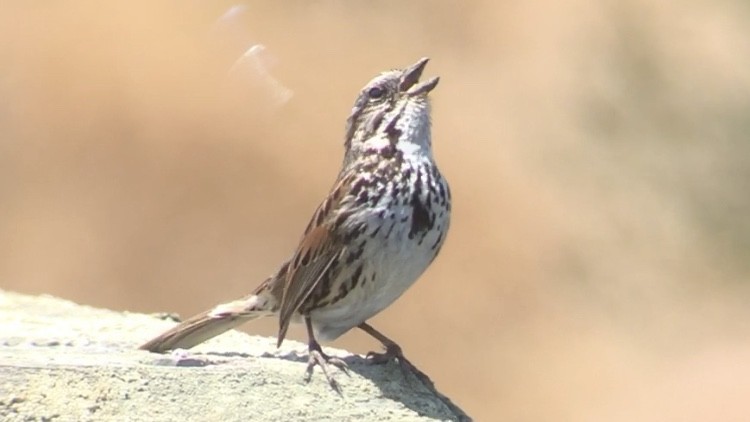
x=598, y=152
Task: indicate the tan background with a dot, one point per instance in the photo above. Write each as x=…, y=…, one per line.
x=598, y=153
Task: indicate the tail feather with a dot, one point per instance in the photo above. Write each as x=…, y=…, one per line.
x=209, y=324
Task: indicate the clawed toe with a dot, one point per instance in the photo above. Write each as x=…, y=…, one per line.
x=393, y=352
x=318, y=358
x=379, y=358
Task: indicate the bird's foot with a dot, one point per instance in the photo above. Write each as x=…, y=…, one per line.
x=318, y=358
x=393, y=352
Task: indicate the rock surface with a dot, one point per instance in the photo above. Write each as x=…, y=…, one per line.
x=60, y=361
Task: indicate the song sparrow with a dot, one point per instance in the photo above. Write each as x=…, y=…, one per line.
x=375, y=233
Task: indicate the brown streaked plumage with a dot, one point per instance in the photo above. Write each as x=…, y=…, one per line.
x=379, y=228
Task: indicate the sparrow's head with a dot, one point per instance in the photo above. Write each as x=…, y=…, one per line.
x=391, y=111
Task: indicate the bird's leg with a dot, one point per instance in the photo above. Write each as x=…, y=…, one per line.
x=317, y=357
x=392, y=352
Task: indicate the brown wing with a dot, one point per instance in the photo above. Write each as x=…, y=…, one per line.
x=316, y=254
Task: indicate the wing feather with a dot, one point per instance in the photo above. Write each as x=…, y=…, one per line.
x=316, y=255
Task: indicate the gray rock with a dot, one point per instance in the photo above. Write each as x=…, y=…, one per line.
x=67, y=362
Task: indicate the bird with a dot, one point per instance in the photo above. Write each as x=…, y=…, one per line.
x=380, y=227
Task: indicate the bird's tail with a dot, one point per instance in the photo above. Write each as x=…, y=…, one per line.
x=209, y=324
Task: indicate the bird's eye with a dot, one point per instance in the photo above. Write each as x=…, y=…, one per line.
x=375, y=93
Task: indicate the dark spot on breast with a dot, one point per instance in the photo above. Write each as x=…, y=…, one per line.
x=347, y=286
x=418, y=182
x=445, y=196
x=355, y=277
x=378, y=195
x=420, y=217
x=437, y=241
x=388, y=152
x=363, y=197
x=354, y=233
x=354, y=255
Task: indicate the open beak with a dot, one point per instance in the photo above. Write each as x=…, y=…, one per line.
x=410, y=79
